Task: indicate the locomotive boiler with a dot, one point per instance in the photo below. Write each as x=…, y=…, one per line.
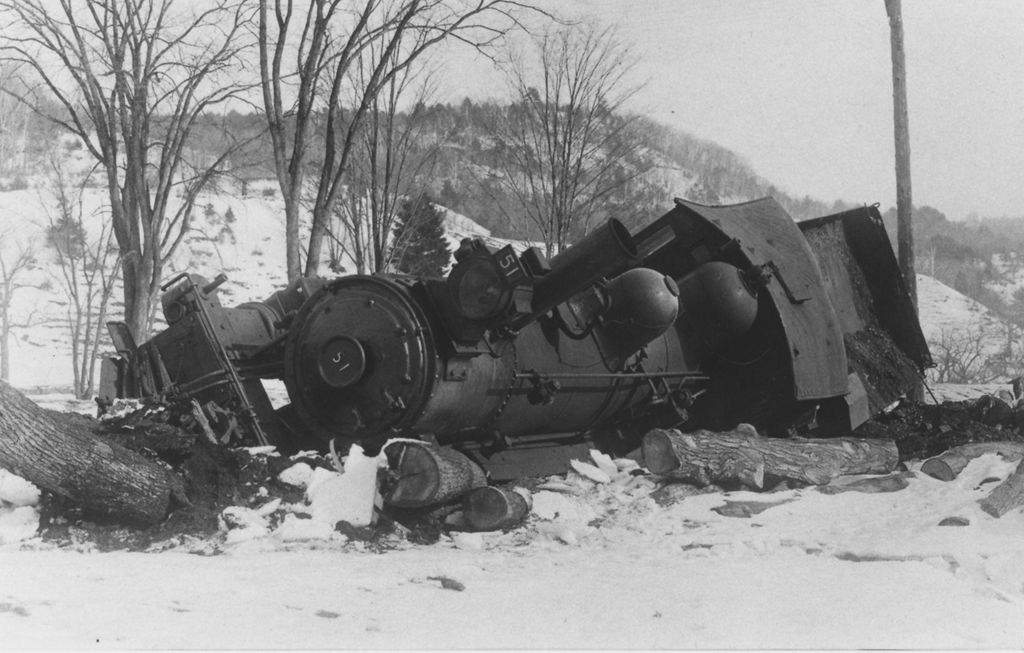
x=706, y=317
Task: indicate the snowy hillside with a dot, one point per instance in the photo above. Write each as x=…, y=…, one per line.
x=946, y=313
x=237, y=235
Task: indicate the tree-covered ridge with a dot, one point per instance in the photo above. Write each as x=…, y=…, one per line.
x=470, y=155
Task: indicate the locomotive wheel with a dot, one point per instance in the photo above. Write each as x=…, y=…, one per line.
x=359, y=360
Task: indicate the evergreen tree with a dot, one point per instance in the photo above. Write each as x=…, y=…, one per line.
x=420, y=246
x=449, y=196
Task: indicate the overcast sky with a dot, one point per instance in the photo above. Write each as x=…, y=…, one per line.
x=803, y=90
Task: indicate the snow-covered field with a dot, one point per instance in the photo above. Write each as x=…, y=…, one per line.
x=622, y=564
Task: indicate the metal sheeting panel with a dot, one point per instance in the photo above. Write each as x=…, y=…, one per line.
x=767, y=234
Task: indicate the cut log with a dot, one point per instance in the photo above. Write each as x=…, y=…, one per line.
x=1007, y=496
x=948, y=465
x=494, y=508
x=705, y=457
x=61, y=455
x=424, y=474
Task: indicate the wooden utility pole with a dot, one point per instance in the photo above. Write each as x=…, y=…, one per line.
x=904, y=202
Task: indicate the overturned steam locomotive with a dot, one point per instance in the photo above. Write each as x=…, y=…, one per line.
x=707, y=317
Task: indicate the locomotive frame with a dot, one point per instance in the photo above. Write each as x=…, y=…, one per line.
x=706, y=317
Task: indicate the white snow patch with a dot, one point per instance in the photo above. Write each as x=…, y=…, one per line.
x=295, y=529
x=16, y=491
x=299, y=475
x=605, y=463
x=351, y=496
x=18, y=524
x=590, y=471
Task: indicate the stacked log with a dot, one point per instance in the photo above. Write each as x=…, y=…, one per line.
x=424, y=474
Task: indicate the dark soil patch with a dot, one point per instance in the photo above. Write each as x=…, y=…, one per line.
x=215, y=476
x=925, y=430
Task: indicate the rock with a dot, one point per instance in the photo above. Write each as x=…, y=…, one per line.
x=746, y=509
x=955, y=521
x=673, y=493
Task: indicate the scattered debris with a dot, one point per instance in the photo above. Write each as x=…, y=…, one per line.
x=448, y=583
x=873, y=485
x=746, y=508
x=418, y=492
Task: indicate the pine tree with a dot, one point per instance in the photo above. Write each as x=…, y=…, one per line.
x=420, y=246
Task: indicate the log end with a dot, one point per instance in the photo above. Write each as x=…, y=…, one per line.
x=417, y=476
x=937, y=468
x=493, y=508
x=658, y=453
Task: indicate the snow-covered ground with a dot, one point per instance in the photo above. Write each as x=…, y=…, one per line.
x=598, y=565
x=944, y=312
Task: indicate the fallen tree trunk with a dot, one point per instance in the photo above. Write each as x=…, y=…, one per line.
x=705, y=457
x=424, y=474
x=62, y=456
x=948, y=465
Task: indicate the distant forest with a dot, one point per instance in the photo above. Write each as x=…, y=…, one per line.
x=972, y=256
x=466, y=156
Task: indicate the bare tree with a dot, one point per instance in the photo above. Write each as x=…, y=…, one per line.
x=390, y=156
x=568, y=142
x=13, y=268
x=132, y=79
x=87, y=271
x=14, y=122
x=963, y=356
x=324, y=43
